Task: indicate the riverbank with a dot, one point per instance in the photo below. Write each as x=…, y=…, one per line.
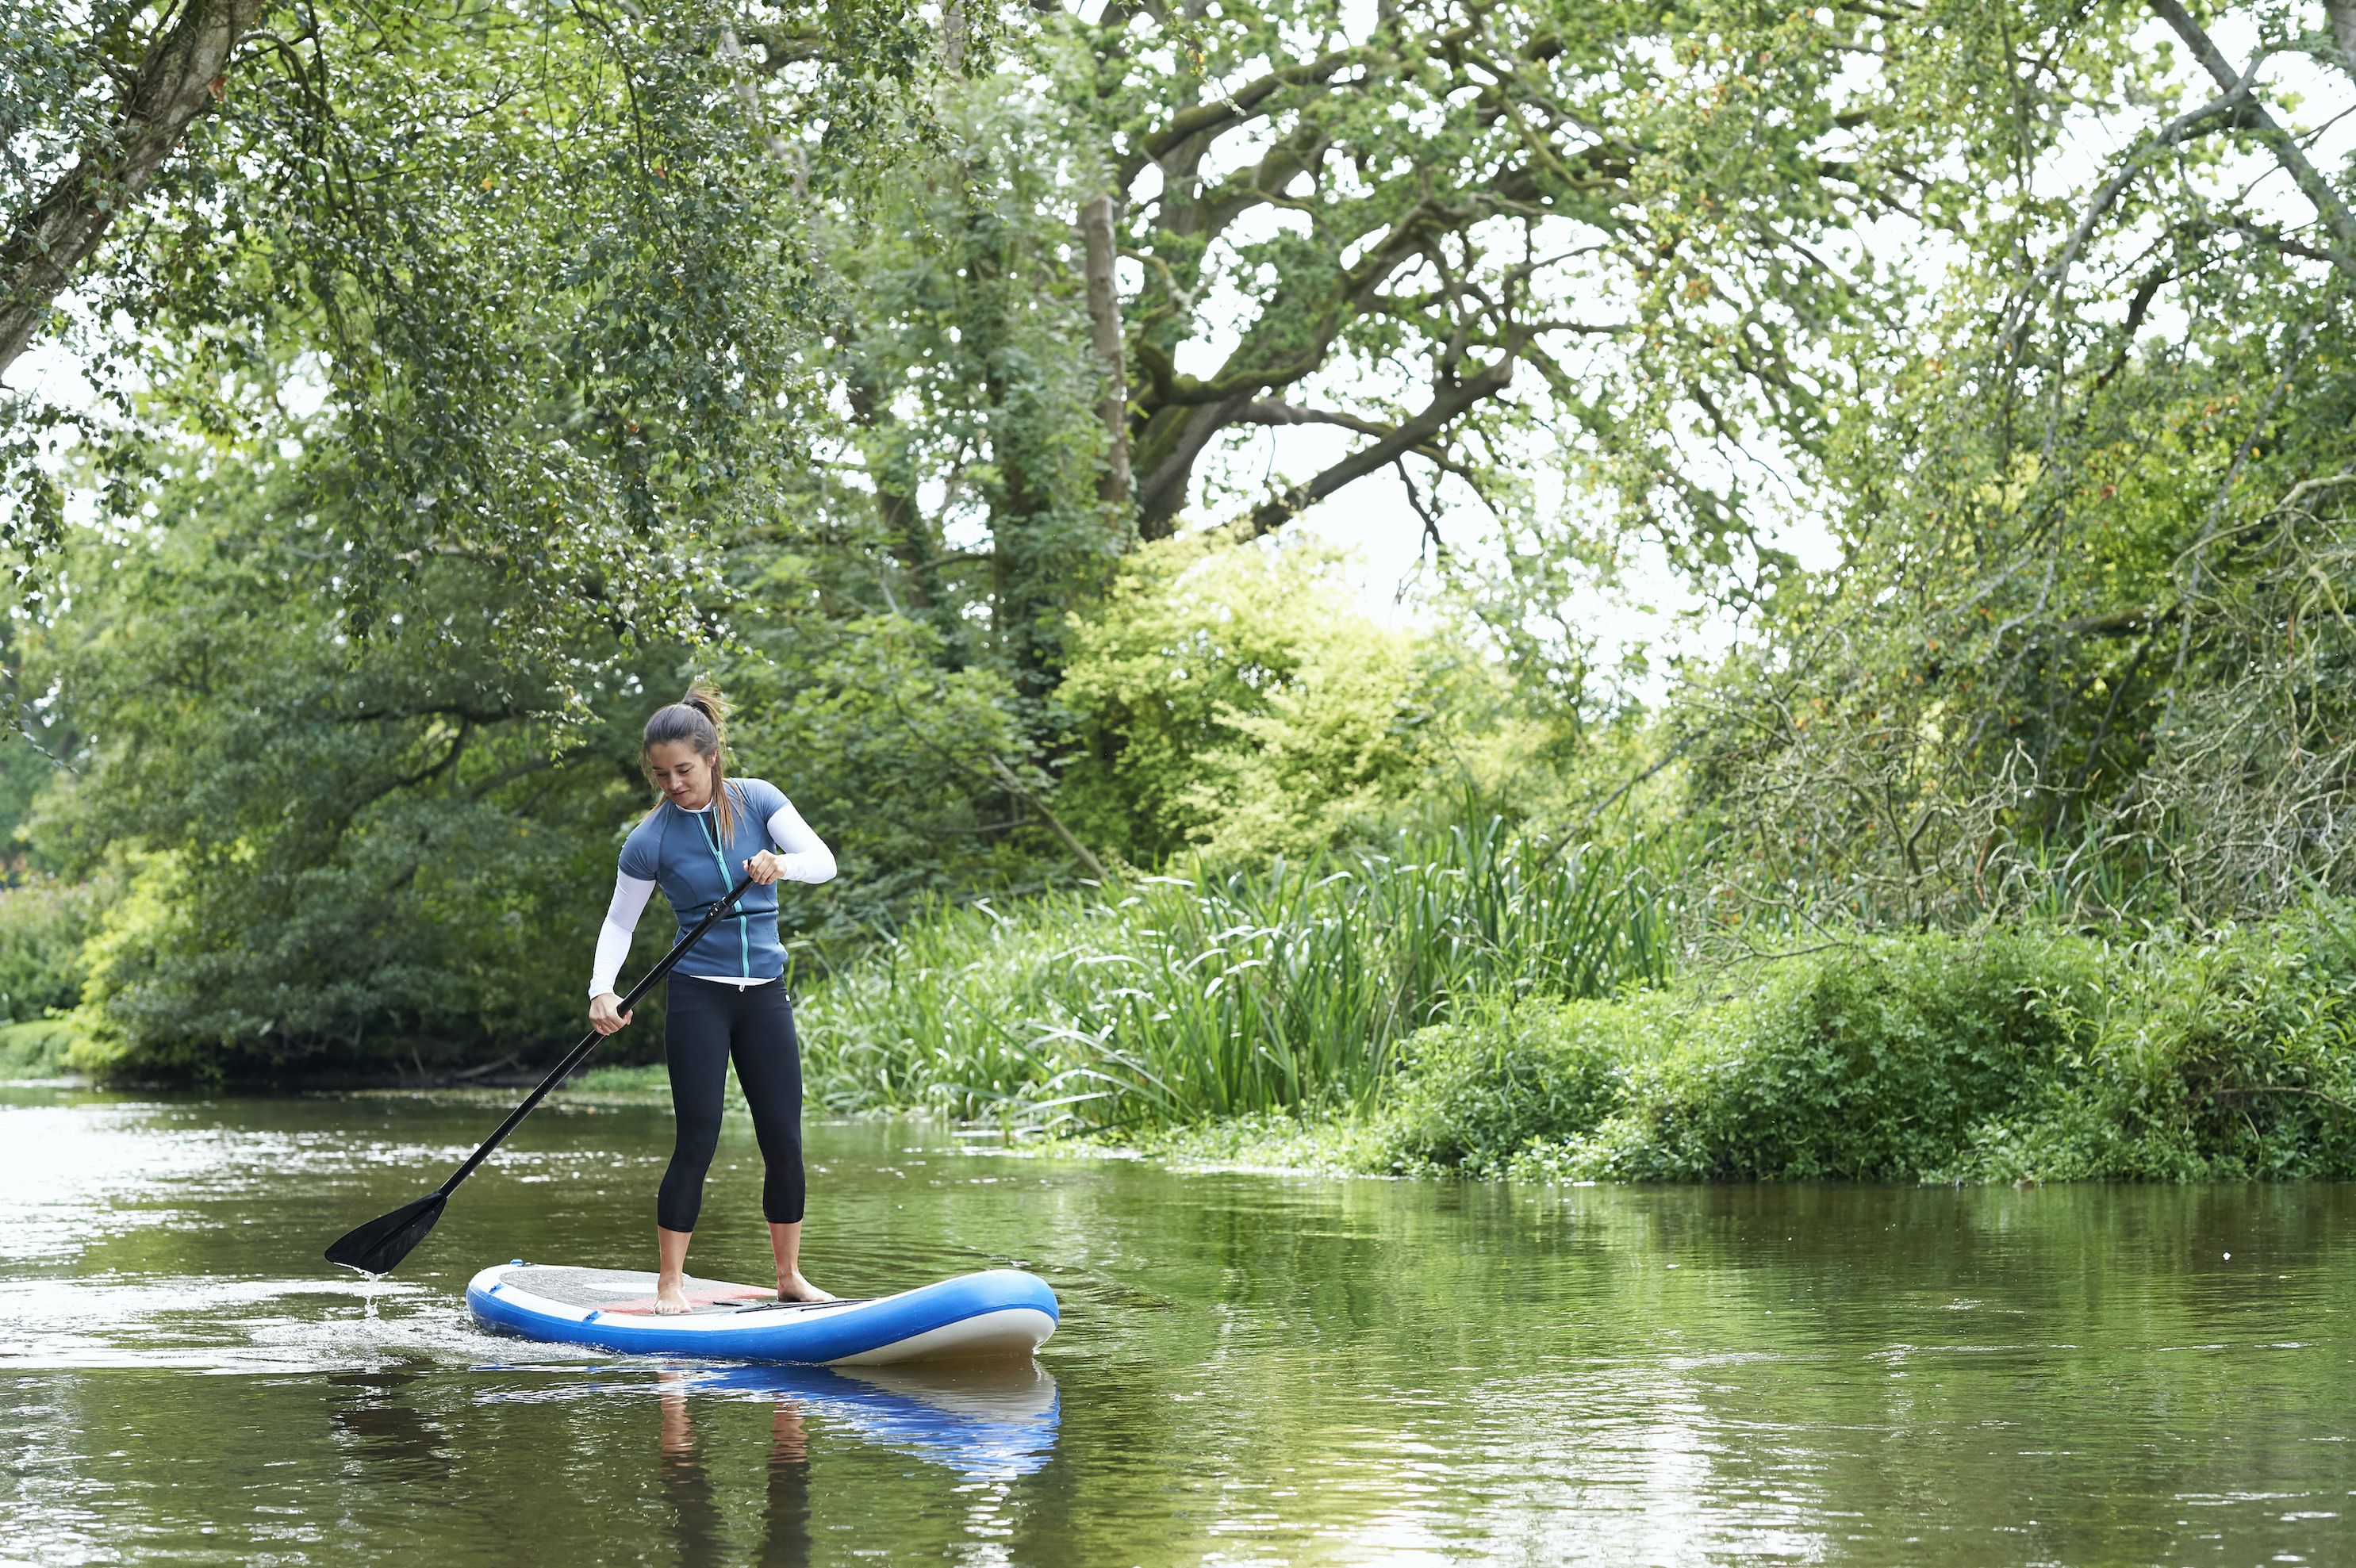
x=2015, y=1054
x=2004, y=1057
x=37, y=1048
x=1168, y=1000
x=1473, y=1006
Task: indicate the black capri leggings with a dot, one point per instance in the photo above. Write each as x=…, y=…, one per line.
x=706, y=1024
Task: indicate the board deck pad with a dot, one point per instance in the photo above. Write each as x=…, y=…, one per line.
x=633, y=1290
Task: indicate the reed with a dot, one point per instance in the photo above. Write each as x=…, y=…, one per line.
x=1167, y=999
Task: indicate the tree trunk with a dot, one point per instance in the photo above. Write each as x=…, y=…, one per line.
x=184, y=74
x=953, y=36
x=1104, y=326
x=1174, y=438
x=907, y=534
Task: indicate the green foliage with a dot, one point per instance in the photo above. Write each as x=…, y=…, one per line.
x=329, y=858
x=959, y=337
x=2229, y=1057
x=341, y=855
x=2086, y=647
x=1234, y=701
x=1479, y=1091
x=884, y=747
x=543, y=269
x=2014, y=1055
x=1871, y=1068
x=44, y=1048
x=1171, y=999
x=43, y=924
x=496, y=366
x=1382, y=221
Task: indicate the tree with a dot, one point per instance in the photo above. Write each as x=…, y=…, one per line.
x=162, y=67
x=540, y=262
x=1238, y=702
x=1466, y=239
x=1619, y=227
x=331, y=857
x=2086, y=648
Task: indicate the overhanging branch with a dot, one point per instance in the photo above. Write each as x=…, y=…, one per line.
x=2280, y=141
x=184, y=74
x=1452, y=402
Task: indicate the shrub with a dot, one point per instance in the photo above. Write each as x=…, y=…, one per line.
x=1237, y=701
x=43, y=925
x=2232, y=1057
x=1477, y=1092
x=2013, y=1055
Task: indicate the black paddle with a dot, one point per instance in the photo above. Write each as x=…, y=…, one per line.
x=379, y=1246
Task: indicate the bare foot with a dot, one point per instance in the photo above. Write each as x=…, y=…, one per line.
x=670, y=1298
x=794, y=1288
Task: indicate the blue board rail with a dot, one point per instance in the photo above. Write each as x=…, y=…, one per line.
x=995, y=1313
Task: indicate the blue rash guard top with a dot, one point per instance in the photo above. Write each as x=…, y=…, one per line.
x=680, y=852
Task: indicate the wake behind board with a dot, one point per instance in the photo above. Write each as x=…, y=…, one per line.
x=1002, y=1312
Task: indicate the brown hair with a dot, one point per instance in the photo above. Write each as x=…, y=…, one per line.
x=701, y=720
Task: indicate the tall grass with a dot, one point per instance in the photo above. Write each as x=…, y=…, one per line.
x=1167, y=999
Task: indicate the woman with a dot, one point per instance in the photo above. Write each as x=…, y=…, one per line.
x=728, y=996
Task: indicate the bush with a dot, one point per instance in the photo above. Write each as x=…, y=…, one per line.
x=2017, y=1055
x=43, y=925
x=1236, y=700
x=2232, y=1058
x=1479, y=1091
x=44, y=1048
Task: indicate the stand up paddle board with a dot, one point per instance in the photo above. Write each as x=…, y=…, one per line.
x=1002, y=1312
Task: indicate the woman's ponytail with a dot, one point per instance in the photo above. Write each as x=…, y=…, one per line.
x=705, y=698
x=699, y=718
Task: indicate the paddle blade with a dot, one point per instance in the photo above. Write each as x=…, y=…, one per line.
x=379, y=1246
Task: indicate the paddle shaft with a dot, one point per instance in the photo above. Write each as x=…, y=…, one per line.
x=580, y=1053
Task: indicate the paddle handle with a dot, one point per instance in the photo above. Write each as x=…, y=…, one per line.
x=580, y=1053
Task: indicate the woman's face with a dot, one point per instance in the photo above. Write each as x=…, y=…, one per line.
x=681, y=773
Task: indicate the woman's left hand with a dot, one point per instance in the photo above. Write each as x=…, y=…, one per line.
x=765, y=868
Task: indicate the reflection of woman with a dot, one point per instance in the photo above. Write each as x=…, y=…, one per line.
x=785, y=1538
x=785, y=1535
x=695, y=1516
x=733, y=1000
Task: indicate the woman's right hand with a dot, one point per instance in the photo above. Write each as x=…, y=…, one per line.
x=605, y=1014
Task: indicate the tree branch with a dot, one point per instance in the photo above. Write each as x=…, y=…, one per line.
x=1232, y=109
x=184, y=74
x=1271, y=411
x=1099, y=249
x=1450, y=403
x=2284, y=145
x=1013, y=781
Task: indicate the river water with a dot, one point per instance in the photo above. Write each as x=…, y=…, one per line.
x=1252, y=1369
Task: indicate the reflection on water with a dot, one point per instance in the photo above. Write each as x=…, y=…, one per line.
x=991, y=1419
x=1250, y=1369
x=699, y=1526
x=376, y=1420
